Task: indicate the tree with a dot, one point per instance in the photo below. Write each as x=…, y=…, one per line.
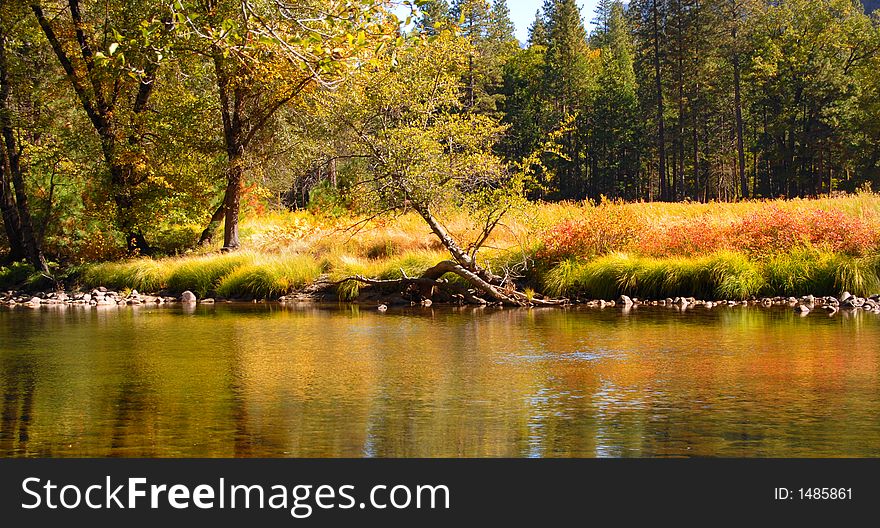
x=265, y=56
x=16, y=212
x=566, y=84
x=524, y=108
x=473, y=17
x=649, y=27
x=603, y=14
x=433, y=15
x=110, y=56
x=501, y=27
x=806, y=59
x=538, y=31
x=614, y=142
x=426, y=155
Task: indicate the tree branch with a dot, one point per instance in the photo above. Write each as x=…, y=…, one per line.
x=96, y=118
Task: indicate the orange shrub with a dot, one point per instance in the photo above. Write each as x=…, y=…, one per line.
x=689, y=237
x=602, y=230
x=774, y=230
x=764, y=231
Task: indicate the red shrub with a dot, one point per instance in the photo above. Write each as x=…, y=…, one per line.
x=603, y=230
x=690, y=237
x=843, y=233
x=771, y=229
x=775, y=230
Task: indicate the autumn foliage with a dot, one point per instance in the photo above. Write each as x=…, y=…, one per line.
x=760, y=231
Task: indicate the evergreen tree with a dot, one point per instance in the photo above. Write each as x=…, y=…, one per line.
x=566, y=81
x=538, y=31
x=603, y=15
x=501, y=27
x=473, y=17
x=614, y=138
x=431, y=14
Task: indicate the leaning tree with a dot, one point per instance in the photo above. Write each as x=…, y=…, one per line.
x=428, y=155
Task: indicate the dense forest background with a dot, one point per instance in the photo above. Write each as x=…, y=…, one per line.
x=141, y=127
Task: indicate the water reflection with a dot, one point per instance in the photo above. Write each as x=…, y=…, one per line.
x=308, y=381
x=18, y=400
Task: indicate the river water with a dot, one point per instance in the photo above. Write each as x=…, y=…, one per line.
x=326, y=381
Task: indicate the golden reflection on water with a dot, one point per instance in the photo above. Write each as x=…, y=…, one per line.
x=312, y=381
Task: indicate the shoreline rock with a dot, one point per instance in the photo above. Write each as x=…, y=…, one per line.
x=102, y=297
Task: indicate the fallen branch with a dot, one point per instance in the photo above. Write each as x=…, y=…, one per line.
x=433, y=278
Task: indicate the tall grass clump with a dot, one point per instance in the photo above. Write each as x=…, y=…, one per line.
x=270, y=277
x=800, y=272
x=727, y=275
x=859, y=276
x=564, y=278
x=202, y=275
x=734, y=276
x=141, y=274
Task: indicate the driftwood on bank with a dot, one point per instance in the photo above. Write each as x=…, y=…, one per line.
x=484, y=292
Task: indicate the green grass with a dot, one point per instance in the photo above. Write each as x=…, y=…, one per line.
x=15, y=275
x=143, y=275
x=859, y=276
x=725, y=275
x=270, y=277
x=230, y=275
x=202, y=275
x=802, y=272
x=251, y=275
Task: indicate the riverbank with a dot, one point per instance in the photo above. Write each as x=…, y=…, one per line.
x=103, y=297
x=748, y=251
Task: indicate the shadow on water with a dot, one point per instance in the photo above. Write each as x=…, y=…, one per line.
x=330, y=381
x=18, y=399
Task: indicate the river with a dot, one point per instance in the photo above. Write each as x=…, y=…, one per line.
x=266, y=380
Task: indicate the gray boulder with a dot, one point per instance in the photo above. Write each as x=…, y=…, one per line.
x=188, y=297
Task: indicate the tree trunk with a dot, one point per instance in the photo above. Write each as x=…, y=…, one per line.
x=11, y=170
x=218, y=216
x=661, y=124
x=102, y=116
x=231, y=110
x=737, y=102
x=11, y=222
x=459, y=254
x=232, y=205
x=678, y=170
x=11, y=219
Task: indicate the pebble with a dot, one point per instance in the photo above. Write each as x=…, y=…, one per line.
x=804, y=305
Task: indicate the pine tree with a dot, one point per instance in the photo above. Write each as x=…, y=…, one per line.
x=501, y=27
x=649, y=26
x=565, y=79
x=473, y=17
x=614, y=114
x=603, y=15
x=538, y=31
x=432, y=14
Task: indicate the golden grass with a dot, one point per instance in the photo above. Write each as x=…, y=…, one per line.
x=287, y=250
